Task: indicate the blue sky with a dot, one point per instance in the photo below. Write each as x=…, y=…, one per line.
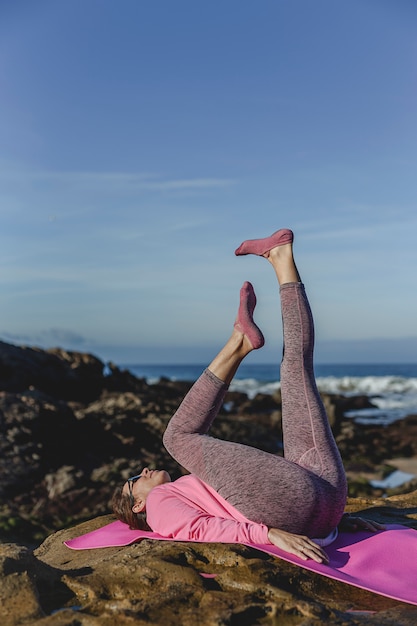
x=141, y=142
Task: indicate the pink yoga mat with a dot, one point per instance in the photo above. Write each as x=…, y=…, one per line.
x=384, y=562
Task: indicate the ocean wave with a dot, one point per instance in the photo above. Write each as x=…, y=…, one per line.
x=252, y=386
x=345, y=385
x=367, y=385
x=394, y=397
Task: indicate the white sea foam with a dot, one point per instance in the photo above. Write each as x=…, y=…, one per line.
x=368, y=385
x=345, y=385
x=394, y=397
x=251, y=386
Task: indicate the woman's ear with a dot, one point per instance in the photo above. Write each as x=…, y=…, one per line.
x=139, y=506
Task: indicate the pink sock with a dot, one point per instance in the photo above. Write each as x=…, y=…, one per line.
x=244, y=322
x=262, y=246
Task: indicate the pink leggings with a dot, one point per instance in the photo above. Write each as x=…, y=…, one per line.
x=304, y=492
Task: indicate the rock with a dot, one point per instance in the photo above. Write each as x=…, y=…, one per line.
x=173, y=583
x=37, y=434
x=337, y=405
x=19, y=598
x=63, y=480
x=378, y=443
x=57, y=372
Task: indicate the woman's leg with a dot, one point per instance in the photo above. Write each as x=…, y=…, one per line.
x=308, y=439
x=202, y=403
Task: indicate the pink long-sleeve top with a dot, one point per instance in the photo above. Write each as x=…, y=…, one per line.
x=190, y=510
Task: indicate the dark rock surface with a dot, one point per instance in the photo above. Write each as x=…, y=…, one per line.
x=70, y=433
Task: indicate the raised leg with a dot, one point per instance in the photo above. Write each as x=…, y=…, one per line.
x=204, y=400
x=308, y=440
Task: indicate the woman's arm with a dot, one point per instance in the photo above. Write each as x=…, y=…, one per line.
x=171, y=517
x=351, y=523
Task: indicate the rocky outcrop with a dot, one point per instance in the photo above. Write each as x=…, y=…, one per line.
x=57, y=372
x=175, y=583
x=72, y=428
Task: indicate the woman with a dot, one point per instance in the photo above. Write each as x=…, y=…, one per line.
x=236, y=493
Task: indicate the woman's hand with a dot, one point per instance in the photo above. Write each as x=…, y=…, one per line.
x=351, y=523
x=301, y=546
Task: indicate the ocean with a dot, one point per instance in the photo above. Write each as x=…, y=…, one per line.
x=392, y=388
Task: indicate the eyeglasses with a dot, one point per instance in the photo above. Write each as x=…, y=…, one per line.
x=130, y=482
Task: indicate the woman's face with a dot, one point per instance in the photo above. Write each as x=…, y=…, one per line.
x=139, y=487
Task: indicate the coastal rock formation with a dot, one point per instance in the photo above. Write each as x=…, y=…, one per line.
x=171, y=583
x=58, y=372
x=71, y=428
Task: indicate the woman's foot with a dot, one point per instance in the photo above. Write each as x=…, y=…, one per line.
x=261, y=247
x=244, y=322
x=277, y=249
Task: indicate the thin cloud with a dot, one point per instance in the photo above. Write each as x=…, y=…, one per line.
x=197, y=183
x=47, y=337
x=118, y=180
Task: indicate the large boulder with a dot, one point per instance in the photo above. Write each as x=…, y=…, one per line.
x=57, y=372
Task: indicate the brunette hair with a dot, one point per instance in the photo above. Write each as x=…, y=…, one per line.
x=122, y=508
